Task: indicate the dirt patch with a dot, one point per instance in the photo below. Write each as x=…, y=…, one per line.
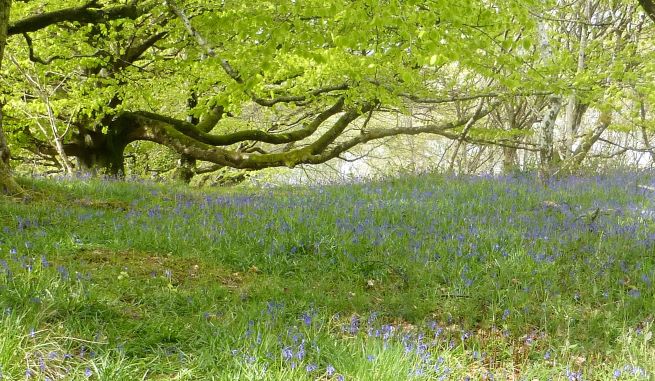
x=102, y=204
x=180, y=271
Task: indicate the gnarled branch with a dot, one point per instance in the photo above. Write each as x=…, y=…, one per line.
x=88, y=14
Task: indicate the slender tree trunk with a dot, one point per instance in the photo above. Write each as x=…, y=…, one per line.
x=574, y=163
x=644, y=131
x=462, y=138
x=546, y=137
x=42, y=92
x=510, y=159
x=546, y=127
x=7, y=183
x=574, y=108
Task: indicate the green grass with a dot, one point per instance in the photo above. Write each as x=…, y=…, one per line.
x=426, y=278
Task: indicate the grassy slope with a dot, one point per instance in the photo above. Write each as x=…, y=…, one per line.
x=419, y=278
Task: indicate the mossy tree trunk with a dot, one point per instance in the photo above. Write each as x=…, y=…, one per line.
x=186, y=166
x=99, y=153
x=7, y=183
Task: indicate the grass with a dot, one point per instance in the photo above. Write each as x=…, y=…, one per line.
x=421, y=278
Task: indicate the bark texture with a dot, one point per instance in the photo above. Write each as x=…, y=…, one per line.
x=7, y=183
x=649, y=7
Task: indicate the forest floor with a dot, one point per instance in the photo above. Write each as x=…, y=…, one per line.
x=420, y=278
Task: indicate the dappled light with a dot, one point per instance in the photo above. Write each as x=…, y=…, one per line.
x=431, y=277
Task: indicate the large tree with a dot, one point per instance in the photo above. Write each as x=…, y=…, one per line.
x=90, y=13
x=321, y=72
x=320, y=77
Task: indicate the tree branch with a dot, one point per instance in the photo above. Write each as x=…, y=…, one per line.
x=253, y=135
x=235, y=75
x=87, y=14
x=387, y=132
x=299, y=98
x=134, y=53
x=229, y=70
x=417, y=99
x=33, y=57
x=649, y=8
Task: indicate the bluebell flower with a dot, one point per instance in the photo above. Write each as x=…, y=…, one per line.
x=307, y=319
x=44, y=261
x=287, y=353
x=301, y=351
x=354, y=325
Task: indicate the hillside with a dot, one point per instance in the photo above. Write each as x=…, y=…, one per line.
x=426, y=278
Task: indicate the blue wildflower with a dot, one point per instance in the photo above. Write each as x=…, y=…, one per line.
x=44, y=261
x=307, y=319
x=287, y=353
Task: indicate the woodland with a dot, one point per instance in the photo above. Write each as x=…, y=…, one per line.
x=222, y=86
x=500, y=224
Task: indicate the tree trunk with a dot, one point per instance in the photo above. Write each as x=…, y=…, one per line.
x=546, y=130
x=574, y=108
x=546, y=127
x=574, y=163
x=98, y=153
x=186, y=166
x=510, y=160
x=7, y=183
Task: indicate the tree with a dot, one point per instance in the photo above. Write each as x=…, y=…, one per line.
x=7, y=182
x=320, y=77
x=88, y=13
x=649, y=7
x=317, y=71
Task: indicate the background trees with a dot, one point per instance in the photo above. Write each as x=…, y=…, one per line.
x=249, y=86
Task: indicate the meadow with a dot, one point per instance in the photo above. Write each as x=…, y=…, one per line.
x=420, y=278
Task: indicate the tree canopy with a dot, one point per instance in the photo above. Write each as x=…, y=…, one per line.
x=253, y=85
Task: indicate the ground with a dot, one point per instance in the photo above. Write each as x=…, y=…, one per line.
x=428, y=277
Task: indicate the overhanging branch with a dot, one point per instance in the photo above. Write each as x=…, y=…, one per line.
x=88, y=14
x=194, y=132
x=649, y=8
